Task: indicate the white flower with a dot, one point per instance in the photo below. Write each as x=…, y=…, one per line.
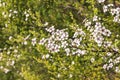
x=5, y=48
x=116, y=19
x=27, y=15
x=46, y=23
x=12, y=63
x=58, y=75
x=109, y=54
x=108, y=33
x=43, y=57
x=76, y=42
x=3, y=13
x=70, y=76
x=1, y=67
x=42, y=41
x=104, y=66
x=10, y=37
x=117, y=69
x=100, y=1
x=78, y=32
x=51, y=29
x=15, y=51
x=87, y=24
x=110, y=65
x=73, y=53
x=25, y=42
x=107, y=44
x=102, y=30
x=117, y=60
x=73, y=63
x=99, y=39
x=47, y=56
x=117, y=11
x=115, y=49
x=15, y=12
x=3, y=4
x=83, y=52
x=6, y=25
x=10, y=15
x=8, y=52
x=105, y=8
x=64, y=44
x=95, y=18
x=33, y=41
x=6, y=70
x=67, y=50
x=110, y=60
x=98, y=25
x=113, y=11
x=11, y=47
x=92, y=60
x=110, y=5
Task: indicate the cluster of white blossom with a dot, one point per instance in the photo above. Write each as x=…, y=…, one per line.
x=9, y=60
x=26, y=13
x=108, y=66
x=59, y=39
x=2, y=4
x=98, y=31
x=14, y=13
x=112, y=62
x=114, y=11
x=98, y=34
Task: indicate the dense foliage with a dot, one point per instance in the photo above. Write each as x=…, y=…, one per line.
x=59, y=39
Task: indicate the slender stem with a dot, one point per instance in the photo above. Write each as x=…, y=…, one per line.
x=114, y=2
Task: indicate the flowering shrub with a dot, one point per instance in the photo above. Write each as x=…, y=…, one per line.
x=52, y=40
